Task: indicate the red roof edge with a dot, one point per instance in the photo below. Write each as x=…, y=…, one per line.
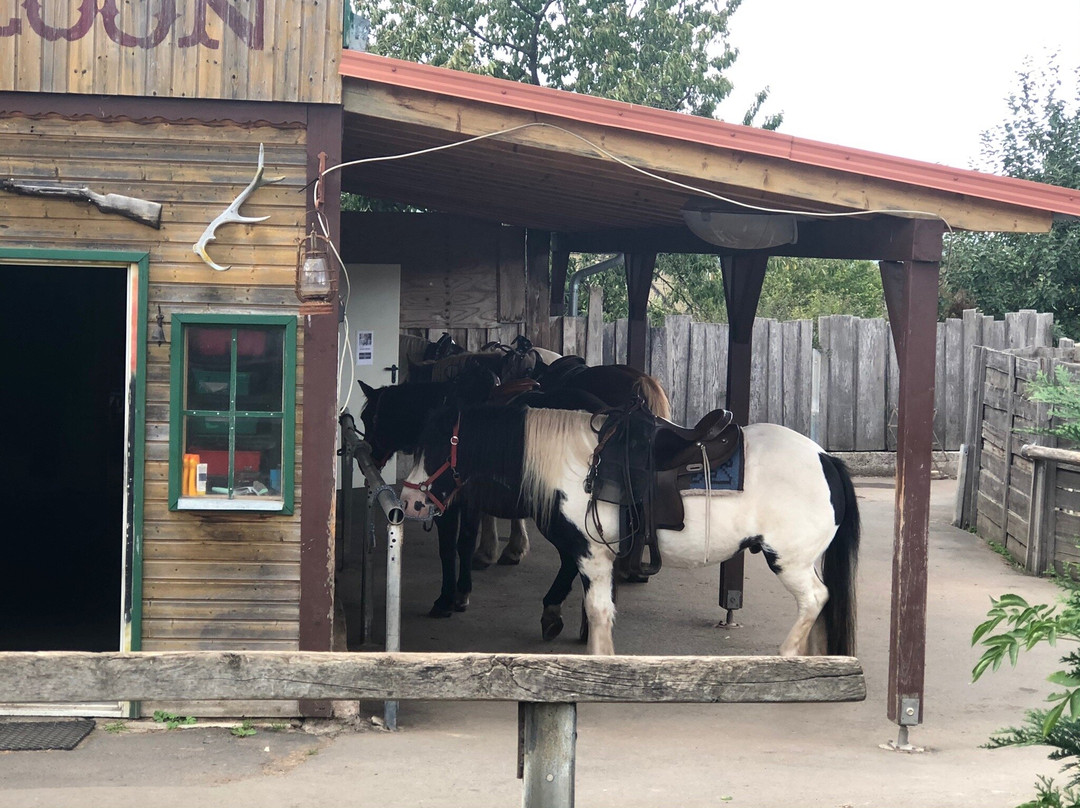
x=705, y=131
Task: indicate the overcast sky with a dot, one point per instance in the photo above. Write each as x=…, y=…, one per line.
x=912, y=78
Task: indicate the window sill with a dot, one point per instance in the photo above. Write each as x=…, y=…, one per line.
x=217, y=504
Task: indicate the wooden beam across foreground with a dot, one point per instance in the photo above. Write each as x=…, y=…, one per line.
x=72, y=676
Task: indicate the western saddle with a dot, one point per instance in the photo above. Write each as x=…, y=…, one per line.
x=642, y=463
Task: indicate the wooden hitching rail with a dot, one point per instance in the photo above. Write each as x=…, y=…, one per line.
x=547, y=686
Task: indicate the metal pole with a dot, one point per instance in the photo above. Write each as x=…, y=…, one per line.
x=388, y=500
x=549, y=740
x=393, y=606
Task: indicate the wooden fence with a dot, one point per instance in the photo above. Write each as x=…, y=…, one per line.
x=546, y=686
x=839, y=388
x=1016, y=492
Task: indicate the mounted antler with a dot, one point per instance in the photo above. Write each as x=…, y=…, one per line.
x=232, y=213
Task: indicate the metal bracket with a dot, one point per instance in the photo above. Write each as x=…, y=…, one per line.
x=909, y=712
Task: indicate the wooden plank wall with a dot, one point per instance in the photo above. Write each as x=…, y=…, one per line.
x=1006, y=506
x=859, y=376
x=211, y=580
x=258, y=50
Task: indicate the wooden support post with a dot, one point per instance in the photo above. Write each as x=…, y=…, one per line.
x=320, y=434
x=911, y=289
x=548, y=740
x=560, y=260
x=639, y=273
x=743, y=277
x=537, y=290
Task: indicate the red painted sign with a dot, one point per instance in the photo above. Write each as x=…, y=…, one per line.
x=249, y=31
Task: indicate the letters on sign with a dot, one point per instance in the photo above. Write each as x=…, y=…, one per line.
x=249, y=31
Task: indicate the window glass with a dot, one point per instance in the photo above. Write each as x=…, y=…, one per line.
x=234, y=420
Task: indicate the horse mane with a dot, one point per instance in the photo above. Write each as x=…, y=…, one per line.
x=557, y=442
x=655, y=398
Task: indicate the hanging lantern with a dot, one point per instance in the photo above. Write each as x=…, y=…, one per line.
x=316, y=278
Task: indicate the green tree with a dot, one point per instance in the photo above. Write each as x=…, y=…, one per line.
x=669, y=54
x=1001, y=272
x=794, y=288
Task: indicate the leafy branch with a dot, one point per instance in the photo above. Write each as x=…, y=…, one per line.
x=1014, y=625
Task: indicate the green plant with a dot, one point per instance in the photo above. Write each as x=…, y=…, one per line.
x=172, y=720
x=1062, y=393
x=277, y=727
x=116, y=727
x=1014, y=625
x=1002, y=551
x=245, y=729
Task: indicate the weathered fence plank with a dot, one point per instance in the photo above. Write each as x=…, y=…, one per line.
x=71, y=676
x=677, y=334
x=952, y=381
x=594, y=340
x=871, y=344
x=774, y=374
x=842, y=403
x=759, y=369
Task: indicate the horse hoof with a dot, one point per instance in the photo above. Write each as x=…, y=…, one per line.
x=551, y=626
x=461, y=603
x=481, y=564
x=509, y=560
x=440, y=611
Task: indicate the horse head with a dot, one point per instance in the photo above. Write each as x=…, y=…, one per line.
x=393, y=417
x=377, y=431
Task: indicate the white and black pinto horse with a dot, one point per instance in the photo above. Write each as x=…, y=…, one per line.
x=797, y=508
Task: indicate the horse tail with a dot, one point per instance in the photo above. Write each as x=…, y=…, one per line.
x=841, y=560
x=655, y=398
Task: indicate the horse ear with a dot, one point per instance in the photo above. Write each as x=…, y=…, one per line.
x=367, y=388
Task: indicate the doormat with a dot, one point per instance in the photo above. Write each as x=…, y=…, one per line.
x=27, y=736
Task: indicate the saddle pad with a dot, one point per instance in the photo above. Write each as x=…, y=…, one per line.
x=728, y=476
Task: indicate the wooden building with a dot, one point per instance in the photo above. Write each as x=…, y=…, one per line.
x=165, y=103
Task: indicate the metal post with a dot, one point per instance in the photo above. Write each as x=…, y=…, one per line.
x=387, y=499
x=549, y=740
x=393, y=606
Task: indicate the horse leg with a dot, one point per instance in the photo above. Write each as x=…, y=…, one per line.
x=810, y=596
x=551, y=622
x=448, y=527
x=484, y=556
x=518, y=546
x=597, y=575
x=466, y=545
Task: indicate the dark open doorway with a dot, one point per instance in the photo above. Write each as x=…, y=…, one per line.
x=62, y=346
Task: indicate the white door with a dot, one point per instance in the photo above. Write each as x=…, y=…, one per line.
x=371, y=323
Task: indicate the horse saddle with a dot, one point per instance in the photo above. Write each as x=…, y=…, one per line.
x=643, y=462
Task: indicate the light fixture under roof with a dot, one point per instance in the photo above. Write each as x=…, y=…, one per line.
x=740, y=231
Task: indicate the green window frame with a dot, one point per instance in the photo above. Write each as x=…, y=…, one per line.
x=225, y=414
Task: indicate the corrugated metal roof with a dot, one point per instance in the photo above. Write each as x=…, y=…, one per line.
x=431, y=109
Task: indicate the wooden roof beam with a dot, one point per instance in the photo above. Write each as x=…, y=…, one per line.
x=882, y=238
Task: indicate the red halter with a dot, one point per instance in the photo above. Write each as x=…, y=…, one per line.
x=451, y=466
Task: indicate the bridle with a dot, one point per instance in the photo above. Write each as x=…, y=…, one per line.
x=449, y=465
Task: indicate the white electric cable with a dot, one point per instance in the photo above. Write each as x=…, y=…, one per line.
x=604, y=152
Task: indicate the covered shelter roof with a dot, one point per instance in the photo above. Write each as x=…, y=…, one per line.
x=606, y=176
x=569, y=163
